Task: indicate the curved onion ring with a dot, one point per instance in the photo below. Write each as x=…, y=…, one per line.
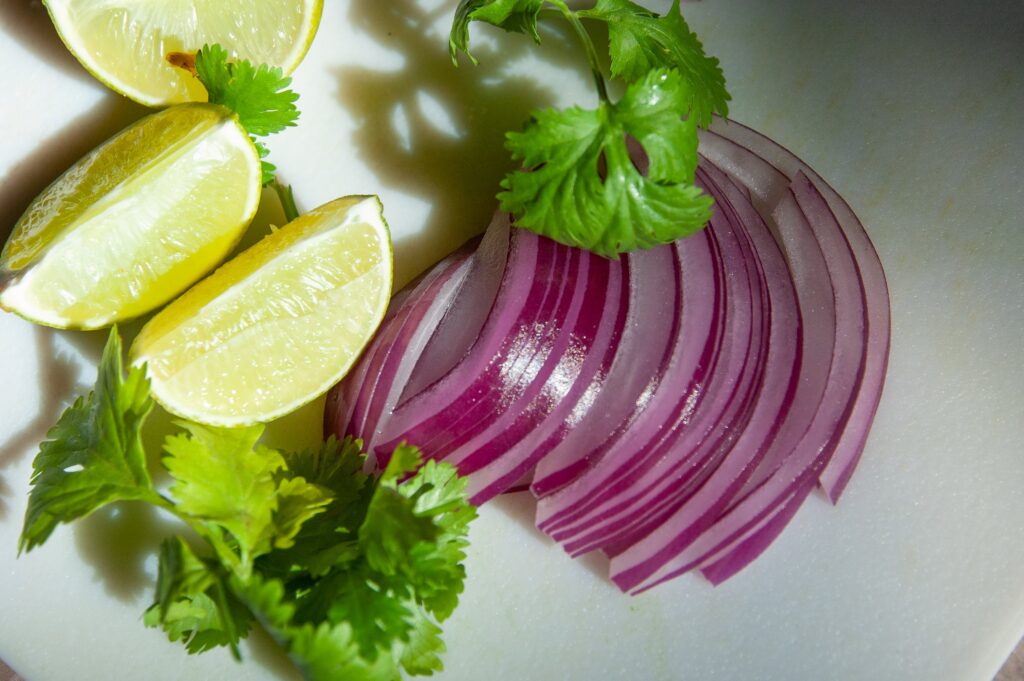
x=672, y=409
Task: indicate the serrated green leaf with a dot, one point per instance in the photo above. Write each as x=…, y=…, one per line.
x=641, y=41
x=226, y=483
x=392, y=526
x=378, y=616
x=267, y=169
x=231, y=487
x=329, y=538
x=564, y=193
x=194, y=603
x=324, y=651
x=94, y=454
x=404, y=460
x=297, y=502
x=392, y=529
x=328, y=653
x=437, y=575
x=259, y=95
x=336, y=465
x=180, y=572
x=421, y=656
x=267, y=601
x=440, y=492
x=435, y=569
x=516, y=16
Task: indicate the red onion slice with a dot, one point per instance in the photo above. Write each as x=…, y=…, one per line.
x=686, y=450
x=826, y=280
x=374, y=386
x=679, y=389
x=674, y=408
x=640, y=356
x=693, y=511
x=750, y=152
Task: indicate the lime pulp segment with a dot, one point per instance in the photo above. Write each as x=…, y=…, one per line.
x=277, y=326
x=135, y=222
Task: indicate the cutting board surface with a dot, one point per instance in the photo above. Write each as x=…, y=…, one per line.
x=912, y=110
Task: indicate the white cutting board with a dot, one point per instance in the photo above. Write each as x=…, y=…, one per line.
x=913, y=110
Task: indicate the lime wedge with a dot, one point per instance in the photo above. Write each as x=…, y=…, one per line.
x=278, y=325
x=135, y=222
x=126, y=43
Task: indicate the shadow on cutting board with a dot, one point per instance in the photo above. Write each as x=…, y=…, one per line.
x=521, y=507
x=29, y=24
x=116, y=542
x=436, y=131
x=58, y=375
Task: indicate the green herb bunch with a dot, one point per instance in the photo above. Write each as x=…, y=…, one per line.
x=349, y=573
x=578, y=183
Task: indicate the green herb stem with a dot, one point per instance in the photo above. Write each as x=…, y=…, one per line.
x=588, y=46
x=287, y=199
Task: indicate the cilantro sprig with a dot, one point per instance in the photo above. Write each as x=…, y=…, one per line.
x=578, y=181
x=259, y=95
x=351, y=574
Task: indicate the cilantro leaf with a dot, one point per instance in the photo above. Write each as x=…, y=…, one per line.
x=392, y=527
x=328, y=653
x=329, y=538
x=297, y=502
x=93, y=455
x=437, y=575
x=435, y=569
x=258, y=95
x=267, y=169
x=517, y=16
x=227, y=484
x=397, y=550
x=194, y=621
x=440, y=493
x=194, y=604
x=640, y=41
x=180, y=572
x=421, y=654
x=563, y=194
x=323, y=651
x=336, y=465
x=578, y=184
x=377, y=609
x=268, y=602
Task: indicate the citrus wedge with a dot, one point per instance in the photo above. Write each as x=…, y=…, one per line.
x=135, y=222
x=278, y=325
x=126, y=43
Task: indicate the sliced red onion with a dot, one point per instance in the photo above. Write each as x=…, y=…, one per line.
x=754, y=154
x=697, y=508
x=673, y=408
x=684, y=451
x=640, y=358
x=831, y=303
